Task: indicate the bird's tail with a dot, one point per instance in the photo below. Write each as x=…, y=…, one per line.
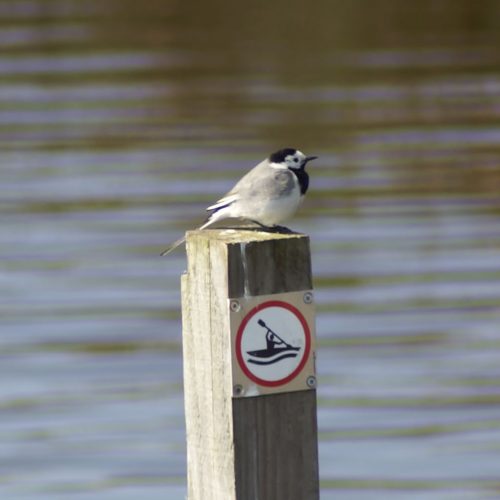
x=180, y=241
x=173, y=246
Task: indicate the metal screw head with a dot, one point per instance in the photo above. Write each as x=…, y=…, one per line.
x=237, y=390
x=311, y=381
x=308, y=297
x=235, y=306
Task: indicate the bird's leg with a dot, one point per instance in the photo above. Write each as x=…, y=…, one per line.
x=273, y=229
x=263, y=226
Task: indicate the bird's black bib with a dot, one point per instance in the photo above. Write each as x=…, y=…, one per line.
x=303, y=178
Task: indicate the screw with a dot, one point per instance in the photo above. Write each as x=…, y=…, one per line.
x=308, y=298
x=311, y=381
x=238, y=390
x=234, y=306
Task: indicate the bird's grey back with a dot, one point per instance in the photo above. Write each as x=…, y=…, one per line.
x=265, y=181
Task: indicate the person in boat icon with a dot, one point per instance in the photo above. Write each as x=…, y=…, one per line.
x=276, y=348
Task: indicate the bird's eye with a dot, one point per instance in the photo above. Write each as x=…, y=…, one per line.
x=295, y=160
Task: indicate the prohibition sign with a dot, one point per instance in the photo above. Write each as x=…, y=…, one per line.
x=282, y=329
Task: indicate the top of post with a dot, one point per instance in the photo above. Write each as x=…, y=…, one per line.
x=229, y=236
x=255, y=262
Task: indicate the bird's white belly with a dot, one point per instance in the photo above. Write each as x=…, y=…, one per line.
x=275, y=211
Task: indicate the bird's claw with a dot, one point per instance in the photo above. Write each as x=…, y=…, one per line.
x=281, y=230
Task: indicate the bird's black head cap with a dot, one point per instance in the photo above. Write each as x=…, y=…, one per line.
x=279, y=156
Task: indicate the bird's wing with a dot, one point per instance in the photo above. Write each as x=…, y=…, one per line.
x=257, y=180
x=223, y=202
x=243, y=184
x=264, y=181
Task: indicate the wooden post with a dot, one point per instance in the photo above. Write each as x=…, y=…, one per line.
x=249, y=448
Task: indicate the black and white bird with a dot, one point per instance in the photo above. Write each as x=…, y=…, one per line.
x=268, y=195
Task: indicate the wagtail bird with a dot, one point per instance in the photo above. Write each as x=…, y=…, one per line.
x=268, y=195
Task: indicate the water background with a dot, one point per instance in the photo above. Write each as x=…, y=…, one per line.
x=121, y=121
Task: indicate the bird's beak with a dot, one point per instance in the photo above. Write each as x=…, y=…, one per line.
x=309, y=158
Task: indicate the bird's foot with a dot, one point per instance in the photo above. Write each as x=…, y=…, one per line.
x=282, y=230
x=262, y=226
x=272, y=229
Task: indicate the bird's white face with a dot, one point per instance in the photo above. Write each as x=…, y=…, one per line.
x=289, y=158
x=295, y=160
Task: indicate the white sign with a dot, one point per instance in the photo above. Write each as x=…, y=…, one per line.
x=273, y=343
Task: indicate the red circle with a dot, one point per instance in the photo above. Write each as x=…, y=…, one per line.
x=239, y=335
